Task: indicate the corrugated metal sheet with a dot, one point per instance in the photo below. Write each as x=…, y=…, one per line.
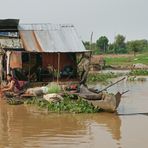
x=50, y=38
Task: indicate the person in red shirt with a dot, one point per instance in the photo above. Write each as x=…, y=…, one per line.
x=12, y=85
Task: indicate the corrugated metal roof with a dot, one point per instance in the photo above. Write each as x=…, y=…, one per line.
x=50, y=38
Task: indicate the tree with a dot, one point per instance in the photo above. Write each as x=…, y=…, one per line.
x=111, y=48
x=87, y=45
x=143, y=44
x=119, y=43
x=134, y=46
x=102, y=43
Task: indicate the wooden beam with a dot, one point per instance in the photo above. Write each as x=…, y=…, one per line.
x=58, y=73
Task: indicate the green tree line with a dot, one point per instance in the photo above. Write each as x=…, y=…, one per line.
x=119, y=46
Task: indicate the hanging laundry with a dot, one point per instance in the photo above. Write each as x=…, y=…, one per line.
x=16, y=60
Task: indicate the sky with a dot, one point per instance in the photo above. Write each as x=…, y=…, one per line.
x=102, y=17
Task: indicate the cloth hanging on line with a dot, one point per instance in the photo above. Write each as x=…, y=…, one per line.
x=16, y=60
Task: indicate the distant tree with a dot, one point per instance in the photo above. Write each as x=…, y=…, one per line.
x=94, y=48
x=120, y=41
x=143, y=44
x=87, y=45
x=111, y=48
x=119, y=44
x=133, y=46
x=102, y=43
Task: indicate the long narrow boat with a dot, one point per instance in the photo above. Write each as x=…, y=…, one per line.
x=103, y=100
x=110, y=103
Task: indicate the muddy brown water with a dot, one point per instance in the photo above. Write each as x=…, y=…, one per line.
x=28, y=127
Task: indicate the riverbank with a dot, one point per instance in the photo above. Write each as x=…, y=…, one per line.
x=102, y=77
x=105, y=76
x=121, y=61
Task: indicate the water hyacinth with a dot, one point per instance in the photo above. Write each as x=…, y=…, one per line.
x=101, y=77
x=69, y=104
x=139, y=72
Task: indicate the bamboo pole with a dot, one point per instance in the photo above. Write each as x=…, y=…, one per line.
x=29, y=67
x=91, y=40
x=8, y=53
x=112, y=85
x=58, y=73
x=1, y=68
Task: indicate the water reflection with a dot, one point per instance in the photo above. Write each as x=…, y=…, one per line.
x=22, y=126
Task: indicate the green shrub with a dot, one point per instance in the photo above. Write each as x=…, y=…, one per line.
x=54, y=88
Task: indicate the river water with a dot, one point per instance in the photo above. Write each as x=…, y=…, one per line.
x=28, y=127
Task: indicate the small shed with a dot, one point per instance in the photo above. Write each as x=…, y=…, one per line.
x=39, y=52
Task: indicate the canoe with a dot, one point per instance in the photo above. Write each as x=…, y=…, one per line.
x=109, y=103
x=103, y=100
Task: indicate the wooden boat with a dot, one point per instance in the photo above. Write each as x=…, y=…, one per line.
x=110, y=103
x=103, y=100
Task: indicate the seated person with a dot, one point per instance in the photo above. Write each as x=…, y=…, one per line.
x=12, y=86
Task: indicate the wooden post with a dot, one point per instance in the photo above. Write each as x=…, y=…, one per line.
x=91, y=40
x=8, y=53
x=58, y=73
x=29, y=66
x=1, y=66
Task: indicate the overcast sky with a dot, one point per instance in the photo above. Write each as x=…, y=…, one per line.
x=103, y=17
